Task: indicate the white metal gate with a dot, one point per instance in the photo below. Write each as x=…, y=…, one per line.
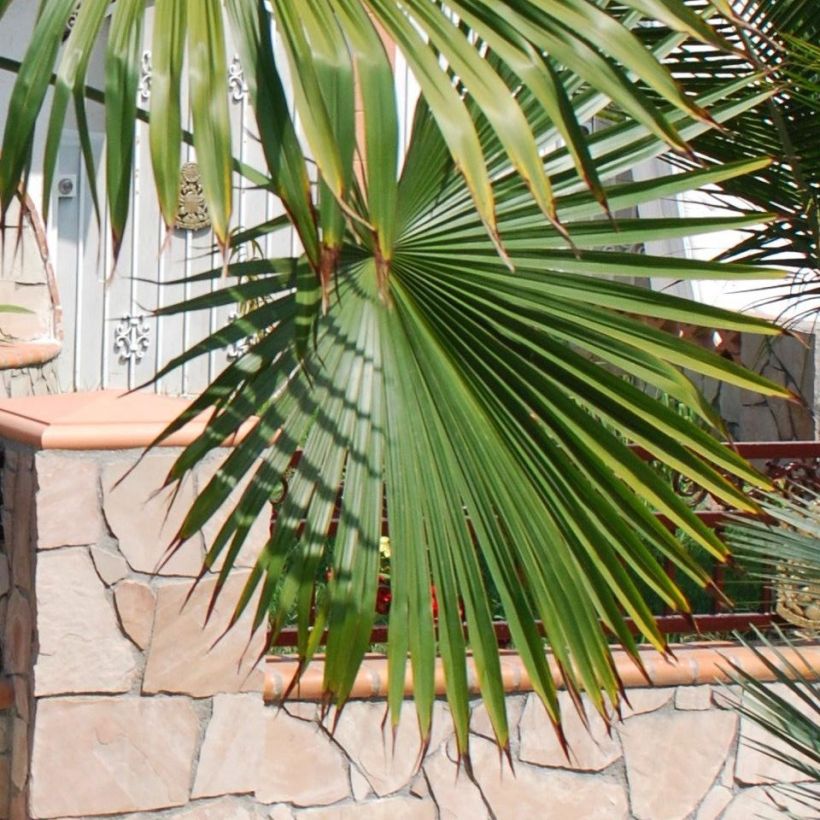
x=111, y=337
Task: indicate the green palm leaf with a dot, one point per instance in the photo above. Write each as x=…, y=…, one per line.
x=472, y=402
x=780, y=36
x=476, y=375
x=784, y=551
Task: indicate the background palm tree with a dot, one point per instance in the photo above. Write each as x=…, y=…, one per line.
x=779, y=37
x=456, y=355
x=784, y=551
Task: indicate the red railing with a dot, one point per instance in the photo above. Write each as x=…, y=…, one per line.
x=795, y=461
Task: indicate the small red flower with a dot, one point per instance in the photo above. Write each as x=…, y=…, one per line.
x=383, y=596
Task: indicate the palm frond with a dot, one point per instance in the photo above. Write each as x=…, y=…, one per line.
x=780, y=37
x=445, y=363
x=784, y=550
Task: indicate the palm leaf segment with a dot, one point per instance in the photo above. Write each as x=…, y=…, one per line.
x=441, y=352
x=781, y=36
x=784, y=550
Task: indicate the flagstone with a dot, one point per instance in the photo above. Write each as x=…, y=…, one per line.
x=395, y=808
x=646, y=699
x=260, y=529
x=714, y=803
x=692, y=747
x=190, y=656
x=145, y=519
x=763, y=803
x=455, y=795
x=226, y=809
x=135, y=605
x=68, y=502
x=480, y=718
x=693, y=697
x=752, y=765
x=81, y=646
x=110, y=565
x=536, y=792
x=111, y=755
x=368, y=741
x=590, y=748
x=300, y=764
x=231, y=753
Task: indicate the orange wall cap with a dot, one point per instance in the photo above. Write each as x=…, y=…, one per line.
x=689, y=665
x=98, y=420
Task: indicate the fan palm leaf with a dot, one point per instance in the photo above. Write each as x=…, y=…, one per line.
x=483, y=407
x=456, y=359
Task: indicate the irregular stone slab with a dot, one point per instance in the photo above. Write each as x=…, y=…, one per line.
x=480, y=719
x=547, y=793
x=591, y=749
x=304, y=710
x=226, y=809
x=5, y=736
x=300, y=764
x=68, y=501
x=4, y=575
x=645, y=700
x=280, y=812
x=388, y=766
x=110, y=566
x=752, y=766
x=184, y=655
x=19, y=753
x=23, y=697
x=359, y=784
x=715, y=802
x=81, y=646
x=762, y=803
x=110, y=755
x=692, y=747
x=19, y=517
x=17, y=634
x=727, y=776
x=396, y=808
x=454, y=793
x=144, y=521
x=698, y=698
x=5, y=779
x=260, y=529
x=232, y=751
x=135, y=606
x=726, y=696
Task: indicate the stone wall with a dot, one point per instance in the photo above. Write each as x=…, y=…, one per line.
x=124, y=707
x=35, y=380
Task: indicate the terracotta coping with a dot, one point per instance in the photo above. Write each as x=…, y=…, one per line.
x=692, y=664
x=99, y=420
x=26, y=354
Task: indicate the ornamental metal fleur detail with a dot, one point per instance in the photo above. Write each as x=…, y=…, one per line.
x=146, y=70
x=132, y=338
x=237, y=349
x=192, y=211
x=236, y=80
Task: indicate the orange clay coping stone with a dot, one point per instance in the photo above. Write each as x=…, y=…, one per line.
x=98, y=420
x=691, y=665
x=26, y=354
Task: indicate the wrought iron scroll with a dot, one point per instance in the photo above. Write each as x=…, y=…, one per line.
x=132, y=338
